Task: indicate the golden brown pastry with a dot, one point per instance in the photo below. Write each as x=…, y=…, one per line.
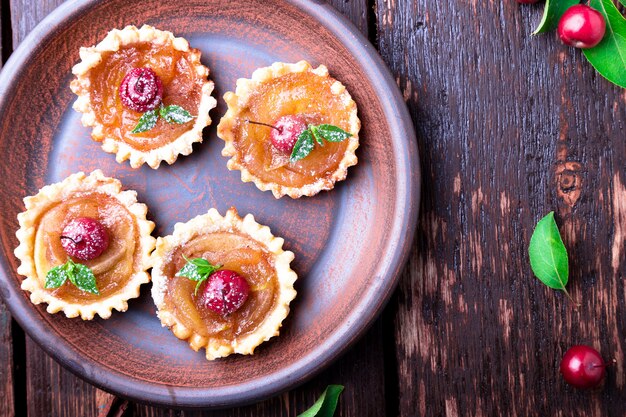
x=222, y=283
x=145, y=94
x=291, y=129
x=84, y=246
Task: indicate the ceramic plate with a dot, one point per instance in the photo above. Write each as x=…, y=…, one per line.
x=350, y=243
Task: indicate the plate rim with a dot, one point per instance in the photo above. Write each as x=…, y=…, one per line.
x=109, y=379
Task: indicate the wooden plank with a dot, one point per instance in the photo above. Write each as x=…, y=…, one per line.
x=53, y=391
x=25, y=15
x=357, y=11
x=7, y=406
x=509, y=127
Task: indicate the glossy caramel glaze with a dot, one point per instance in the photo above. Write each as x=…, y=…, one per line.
x=113, y=268
x=304, y=94
x=233, y=251
x=181, y=86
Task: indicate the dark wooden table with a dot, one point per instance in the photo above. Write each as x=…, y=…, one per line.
x=510, y=127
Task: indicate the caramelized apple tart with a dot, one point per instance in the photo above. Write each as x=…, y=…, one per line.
x=222, y=283
x=291, y=129
x=84, y=246
x=145, y=94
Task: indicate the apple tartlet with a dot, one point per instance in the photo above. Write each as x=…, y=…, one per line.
x=291, y=129
x=222, y=283
x=84, y=246
x=145, y=95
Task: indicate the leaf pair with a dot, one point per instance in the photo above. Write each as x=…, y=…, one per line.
x=198, y=270
x=609, y=56
x=171, y=114
x=548, y=256
x=78, y=274
x=320, y=133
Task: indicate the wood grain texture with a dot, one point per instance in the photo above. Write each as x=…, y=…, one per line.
x=26, y=14
x=510, y=127
x=7, y=396
x=53, y=391
x=7, y=406
x=56, y=392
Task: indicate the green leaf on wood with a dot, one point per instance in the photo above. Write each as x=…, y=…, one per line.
x=609, y=56
x=552, y=12
x=623, y=2
x=326, y=404
x=547, y=253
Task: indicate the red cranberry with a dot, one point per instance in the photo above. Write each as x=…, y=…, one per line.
x=84, y=238
x=225, y=292
x=581, y=26
x=285, y=133
x=583, y=367
x=141, y=90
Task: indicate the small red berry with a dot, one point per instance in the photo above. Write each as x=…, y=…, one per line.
x=285, y=133
x=84, y=238
x=141, y=90
x=583, y=367
x=581, y=26
x=225, y=292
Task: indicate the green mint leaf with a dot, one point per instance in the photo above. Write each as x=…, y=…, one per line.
x=609, y=56
x=197, y=269
x=333, y=133
x=190, y=271
x=78, y=274
x=56, y=277
x=326, y=404
x=84, y=279
x=547, y=253
x=623, y=2
x=303, y=146
x=552, y=12
x=199, y=262
x=69, y=270
x=146, y=122
x=316, y=134
x=175, y=114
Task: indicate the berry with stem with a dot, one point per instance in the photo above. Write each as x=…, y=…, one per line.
x=583, y=367
x=84, y=238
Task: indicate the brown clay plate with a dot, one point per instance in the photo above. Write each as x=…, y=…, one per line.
x=350, y=243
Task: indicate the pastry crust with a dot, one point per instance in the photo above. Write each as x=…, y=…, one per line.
x=91, y=58
x=212, y=222
x=237, y=101
x=48, y=197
